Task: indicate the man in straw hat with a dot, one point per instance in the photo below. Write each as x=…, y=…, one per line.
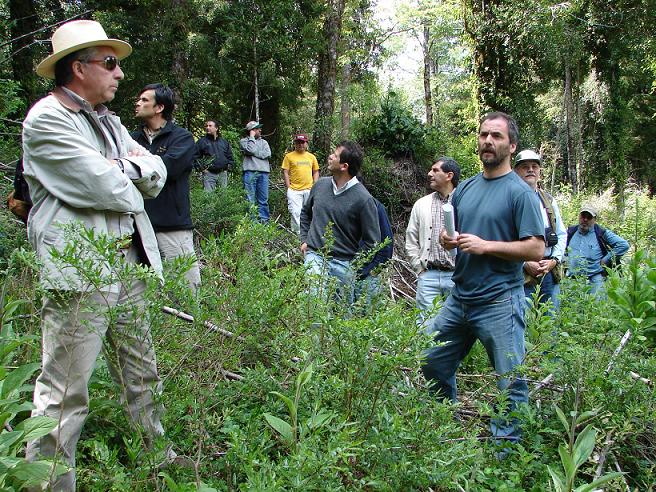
x=82, y=167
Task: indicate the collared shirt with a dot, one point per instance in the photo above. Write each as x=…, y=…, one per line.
x=349, y=184
x=584, y=254
x=438, y=256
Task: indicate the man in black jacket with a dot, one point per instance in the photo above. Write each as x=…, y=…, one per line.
x=170, y=212
x=217, y=151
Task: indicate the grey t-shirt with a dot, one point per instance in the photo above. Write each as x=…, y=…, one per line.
x=499, y=209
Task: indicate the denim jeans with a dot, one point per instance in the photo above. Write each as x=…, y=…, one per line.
x=499, y=325
x=320, y=268
x=430, y=284
x=548, y=291
x=256, y=184
x=368, y=291
x=597, y=285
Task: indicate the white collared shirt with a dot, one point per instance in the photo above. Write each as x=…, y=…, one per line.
x=349, y=184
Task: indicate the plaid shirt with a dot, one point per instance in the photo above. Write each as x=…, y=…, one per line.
x=438, y=256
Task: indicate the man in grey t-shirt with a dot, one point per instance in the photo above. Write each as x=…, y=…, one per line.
x=500, y=226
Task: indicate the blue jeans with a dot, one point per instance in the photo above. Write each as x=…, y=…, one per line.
x=597, y=285
x=368, y=290
x=256, y=184
x=321, y=268
x=499, y=325
x=430, y=284
x=548, y=291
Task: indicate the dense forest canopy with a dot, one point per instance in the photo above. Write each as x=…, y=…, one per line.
x=578, y=76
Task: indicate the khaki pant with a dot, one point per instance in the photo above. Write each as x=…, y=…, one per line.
x=173, y=244
x=75, y=328
x=295, y=201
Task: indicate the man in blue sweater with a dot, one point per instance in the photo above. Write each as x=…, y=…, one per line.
x=344, y=204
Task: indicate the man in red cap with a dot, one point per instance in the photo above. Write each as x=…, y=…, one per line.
x=300, y=170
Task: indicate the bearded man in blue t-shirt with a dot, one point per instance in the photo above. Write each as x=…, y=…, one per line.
x=500, y=226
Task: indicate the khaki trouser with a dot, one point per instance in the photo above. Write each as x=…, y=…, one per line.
x=173, y=244
x=295, y=201
x=75, y=327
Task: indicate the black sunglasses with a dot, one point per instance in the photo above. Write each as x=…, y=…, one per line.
x=109, y=62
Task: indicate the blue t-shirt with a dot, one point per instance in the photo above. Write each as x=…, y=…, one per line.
x=498, y=209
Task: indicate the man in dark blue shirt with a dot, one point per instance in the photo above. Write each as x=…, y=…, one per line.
x=500, y=226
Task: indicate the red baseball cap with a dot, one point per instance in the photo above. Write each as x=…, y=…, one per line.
x=301, y=137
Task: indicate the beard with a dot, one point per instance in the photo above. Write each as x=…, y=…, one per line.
x=491, y=163
x=584, y=229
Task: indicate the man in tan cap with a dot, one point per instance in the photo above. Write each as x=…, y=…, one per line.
x=588, y=255
x=256, y=167
x=82, y=167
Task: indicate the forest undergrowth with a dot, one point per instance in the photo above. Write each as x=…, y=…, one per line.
x=272, y=388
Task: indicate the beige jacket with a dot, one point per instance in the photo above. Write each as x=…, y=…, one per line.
x=418, y=233
x=71, y=181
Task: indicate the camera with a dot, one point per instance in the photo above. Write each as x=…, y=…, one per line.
x=550, y=237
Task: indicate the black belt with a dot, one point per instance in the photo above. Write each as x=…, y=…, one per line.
x=441, y=268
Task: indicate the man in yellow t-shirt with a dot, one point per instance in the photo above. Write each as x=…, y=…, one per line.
x=300, y=170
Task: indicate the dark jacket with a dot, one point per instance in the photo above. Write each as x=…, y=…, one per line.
x=171, y=210
x=219, y=148
x=384, y=254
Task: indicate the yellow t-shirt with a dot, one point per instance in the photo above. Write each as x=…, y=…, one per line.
x=300, y=167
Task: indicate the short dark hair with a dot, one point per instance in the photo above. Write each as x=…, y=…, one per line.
x=352, y=155
x=513, y=129
x=216, y=123
x=163, y=95
x=64, y=67
x=449, y=165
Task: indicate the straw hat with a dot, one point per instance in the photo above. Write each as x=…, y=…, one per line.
x=77, y=35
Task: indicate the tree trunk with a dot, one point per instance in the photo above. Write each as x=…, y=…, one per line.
x=327, y=78
x=256, y=85
x=428, y=99
x=24, y=22
x=436, y=108
x=345, y=103
x=570, y=134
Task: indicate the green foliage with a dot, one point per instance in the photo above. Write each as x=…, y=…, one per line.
x=575, y=452
x=15, y=472
x=220, y=210
x=634, y=293
x=392, y=128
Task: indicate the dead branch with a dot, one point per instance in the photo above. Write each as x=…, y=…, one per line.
x=617, y=468
x=542, y=384
x=401, y=293
x=619, y=348
x=232, y=375
x=189, y=318
x=604, y=453
x=638, y=377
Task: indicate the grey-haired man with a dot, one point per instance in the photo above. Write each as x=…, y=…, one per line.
x=83, y=167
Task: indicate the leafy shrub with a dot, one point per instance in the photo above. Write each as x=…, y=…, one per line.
x=394, y=129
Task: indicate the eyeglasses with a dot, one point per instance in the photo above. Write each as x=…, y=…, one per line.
x=109, y=62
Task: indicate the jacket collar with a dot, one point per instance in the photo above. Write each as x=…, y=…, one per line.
x=168, y=128
x=76, y=103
